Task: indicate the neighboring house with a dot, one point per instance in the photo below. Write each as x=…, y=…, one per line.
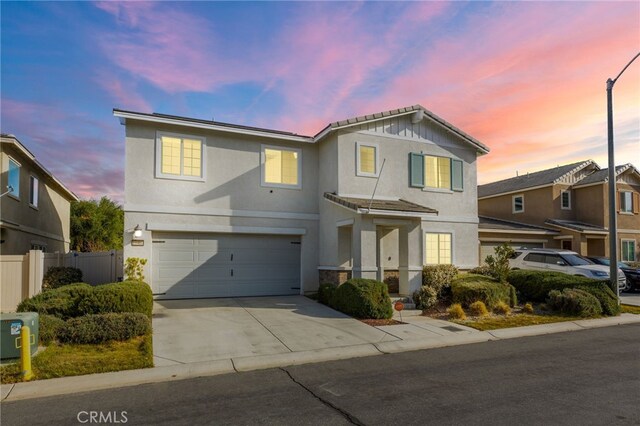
x=563, y=207
x=229, y=210
x=35, y=207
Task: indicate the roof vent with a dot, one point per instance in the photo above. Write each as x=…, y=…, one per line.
x=417, y=116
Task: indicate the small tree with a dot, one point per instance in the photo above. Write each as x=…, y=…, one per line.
x=96, y=225
x=499, y=264
x=134, y=268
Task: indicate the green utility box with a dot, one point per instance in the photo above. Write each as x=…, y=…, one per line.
x=10, y=340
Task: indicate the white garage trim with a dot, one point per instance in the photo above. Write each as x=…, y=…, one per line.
x=224, y=229
x=519, y=240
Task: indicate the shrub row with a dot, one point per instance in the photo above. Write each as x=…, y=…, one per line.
x=91, y=329
x=573, y=301
x=535, y=286
x=359, y=298
x=80, y=299
x=469, y=288
x=58, y=276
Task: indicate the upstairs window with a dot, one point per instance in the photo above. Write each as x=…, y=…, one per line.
x=428, y=171
x=366, y=160
x=517, y=203
x=626, y=202
x=628, y=251
x=565, y=200
x=14, y=178
x=33, y=191
x=281, y=167
x=180, y=157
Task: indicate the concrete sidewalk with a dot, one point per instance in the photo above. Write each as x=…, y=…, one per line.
x=414, y=339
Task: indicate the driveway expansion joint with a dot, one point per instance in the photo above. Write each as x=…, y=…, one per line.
x=349, y=417
x=265, y=327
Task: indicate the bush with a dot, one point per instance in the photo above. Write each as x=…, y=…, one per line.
x=481, y=270
x=478, y=309
x=363, y=298
x=50, y=328
x=425, y=298
x=91, y=329
x=134, y=268
x=325, y=292
x=455, y=311
x=573, y=301
x=536, y=285
x=527, y=308
x=468, y=288
x=61, y=302
x=58, y=276
x=438, y=276
x=499, y=264
x=75, y=300
x=502, y=308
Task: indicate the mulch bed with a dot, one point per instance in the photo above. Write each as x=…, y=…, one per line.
x=380, y=322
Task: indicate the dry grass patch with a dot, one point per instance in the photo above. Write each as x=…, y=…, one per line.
x=495, y=322
x=630, y=309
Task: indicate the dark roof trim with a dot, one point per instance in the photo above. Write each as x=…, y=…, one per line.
x=582, y=227
x=361, y=205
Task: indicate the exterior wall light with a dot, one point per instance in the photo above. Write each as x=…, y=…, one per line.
x=137, y=232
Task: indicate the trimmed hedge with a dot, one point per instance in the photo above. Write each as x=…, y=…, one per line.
x=425, y=297
x=75, y=300
x=469, y=288
x=362, y=298
x=50, y=328
x=535, y=286
x=325, y=292
x=91, y=329
x=573, y=301
x=58, y=276
x=438, y=276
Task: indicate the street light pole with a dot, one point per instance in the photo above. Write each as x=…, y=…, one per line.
x=613, y=222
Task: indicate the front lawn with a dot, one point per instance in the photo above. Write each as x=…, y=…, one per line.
x=495, y=322
x=60, y=360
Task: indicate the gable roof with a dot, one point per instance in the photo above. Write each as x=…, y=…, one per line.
x=11, y=139
x=602, y=176
x=422, y=112
x=530, y=180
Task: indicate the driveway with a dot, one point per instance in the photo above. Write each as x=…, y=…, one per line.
x=209, y=329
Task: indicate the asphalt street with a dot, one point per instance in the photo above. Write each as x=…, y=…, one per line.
x=589, y=377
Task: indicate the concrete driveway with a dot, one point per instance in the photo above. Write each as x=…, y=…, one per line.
x=630, y=298
x=187, y=331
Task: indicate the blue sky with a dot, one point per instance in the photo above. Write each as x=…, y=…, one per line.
x=525, y=78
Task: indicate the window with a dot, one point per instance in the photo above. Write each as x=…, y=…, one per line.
x=626, y=202
x=437, y=249
x=628, y=251
x=518, y=204
x=180, y=157
x=14, y=178
x=366, y=160
x=565, y=200
x=427, y=171
x=281, y=167
x=33, y=191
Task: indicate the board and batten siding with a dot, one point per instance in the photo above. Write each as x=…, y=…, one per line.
x=402, y=126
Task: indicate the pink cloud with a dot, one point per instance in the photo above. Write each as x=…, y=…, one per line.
x=123, y=91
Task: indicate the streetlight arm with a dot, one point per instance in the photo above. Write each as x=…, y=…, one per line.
x=623, y=70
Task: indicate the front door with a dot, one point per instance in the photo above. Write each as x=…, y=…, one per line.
x=566, y=245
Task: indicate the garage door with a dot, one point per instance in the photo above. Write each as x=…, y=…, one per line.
x=487, y=248
x=187, y=265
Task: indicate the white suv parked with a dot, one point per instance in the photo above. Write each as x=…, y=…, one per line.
x=565, y=261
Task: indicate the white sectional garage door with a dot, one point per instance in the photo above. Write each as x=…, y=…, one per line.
x=487, y=248
x=187, y=265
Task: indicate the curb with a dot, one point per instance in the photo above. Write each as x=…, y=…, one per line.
x=94, y=382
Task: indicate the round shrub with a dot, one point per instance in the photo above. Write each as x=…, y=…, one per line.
x=438, y=276
x=60, y=302
x=501, y=308
x=478, y=309
x=573, y=301
x=455, y=311
x=127, y=296
x=425, y=298
x=527, y=308
x=50, y=328
x=468, y=288
x=91, y=329
x=325, y=292
x=363, y=298
x=58, y=276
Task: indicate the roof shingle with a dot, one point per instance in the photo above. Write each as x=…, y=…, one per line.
x=387, y=205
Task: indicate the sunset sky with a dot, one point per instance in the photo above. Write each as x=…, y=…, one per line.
x=525, y=78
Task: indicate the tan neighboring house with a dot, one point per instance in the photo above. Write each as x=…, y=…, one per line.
x=35, y=205
x=563, y=207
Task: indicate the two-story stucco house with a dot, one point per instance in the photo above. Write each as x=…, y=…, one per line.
x=228, y=210
x=563, y=207
x=35, y=205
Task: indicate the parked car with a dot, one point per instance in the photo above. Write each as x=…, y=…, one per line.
x=632, y=274
x=565, y=261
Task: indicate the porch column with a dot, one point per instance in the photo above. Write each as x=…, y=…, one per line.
x=364, y=246
x=410, y=261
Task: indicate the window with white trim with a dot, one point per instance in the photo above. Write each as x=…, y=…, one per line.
x=517, y=203
x=33, y=191
x=437, y=249
x=281, y=167
x=565, y=200
x=13, y=180
x=366, y=159
x=628, y=252
x=626, y=202
x=180, y=156
x=437, y=172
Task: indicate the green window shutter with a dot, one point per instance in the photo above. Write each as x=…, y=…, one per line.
x=416, y=170
x=456, y=175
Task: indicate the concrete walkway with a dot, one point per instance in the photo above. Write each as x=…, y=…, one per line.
x=630, y=298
